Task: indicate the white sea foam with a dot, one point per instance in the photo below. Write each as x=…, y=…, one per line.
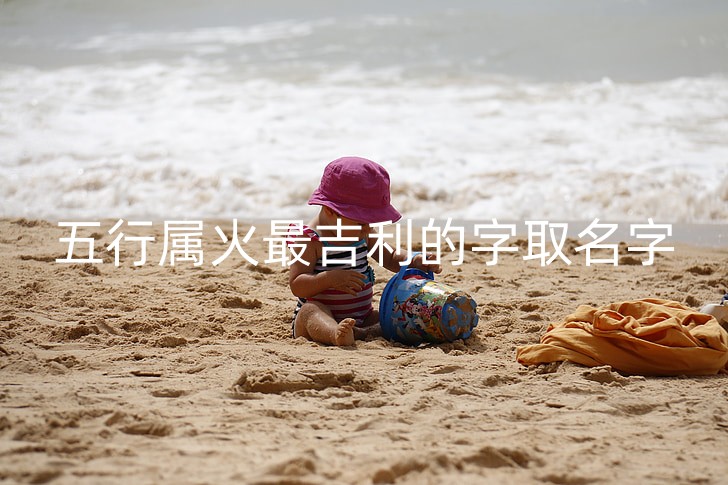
x=239, y=121
x=195, y=140
x=201, y=38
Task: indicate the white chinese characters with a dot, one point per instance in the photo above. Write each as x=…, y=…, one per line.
x=182, y=242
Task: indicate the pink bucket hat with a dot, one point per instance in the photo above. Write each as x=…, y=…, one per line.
x=356, y=188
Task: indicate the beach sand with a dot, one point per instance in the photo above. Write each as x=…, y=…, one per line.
x=185, y=374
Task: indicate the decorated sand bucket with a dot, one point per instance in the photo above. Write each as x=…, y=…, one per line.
x=415, y=309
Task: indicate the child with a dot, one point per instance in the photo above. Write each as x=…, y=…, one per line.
x=335, y=304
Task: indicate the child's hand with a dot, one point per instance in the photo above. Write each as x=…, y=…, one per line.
x=417, y=262
x=346, y=280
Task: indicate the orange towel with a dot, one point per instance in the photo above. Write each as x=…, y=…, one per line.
x=648, y=337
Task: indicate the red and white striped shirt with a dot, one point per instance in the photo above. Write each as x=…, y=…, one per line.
x=342, y=305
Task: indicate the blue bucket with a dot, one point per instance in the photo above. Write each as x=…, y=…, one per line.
x=415, y=309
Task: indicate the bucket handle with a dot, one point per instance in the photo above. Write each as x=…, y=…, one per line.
x=402, y=272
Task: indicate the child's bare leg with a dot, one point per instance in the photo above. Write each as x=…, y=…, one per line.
x=315, y=322
x=370, y=328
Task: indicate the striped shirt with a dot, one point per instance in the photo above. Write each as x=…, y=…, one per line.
x=342, y=305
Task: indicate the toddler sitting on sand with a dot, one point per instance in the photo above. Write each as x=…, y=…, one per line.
x=335, y=304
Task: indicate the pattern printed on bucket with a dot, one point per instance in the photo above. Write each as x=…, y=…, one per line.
x=415, y=309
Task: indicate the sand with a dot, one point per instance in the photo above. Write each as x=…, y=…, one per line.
x=186, y=374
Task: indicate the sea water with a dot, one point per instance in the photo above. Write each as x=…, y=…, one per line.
x=555, y=109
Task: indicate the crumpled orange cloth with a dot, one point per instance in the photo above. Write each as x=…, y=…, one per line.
x=647, y=337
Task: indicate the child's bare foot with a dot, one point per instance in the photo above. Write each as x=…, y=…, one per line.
x=344, y=335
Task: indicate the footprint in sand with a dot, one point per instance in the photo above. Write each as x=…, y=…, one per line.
x=485, y=457
x=169, y=393
x=492, y=457
x=299, y=469
x=701, y=270
x=499, y=380
x=272, y=382
x=149, y=428
x=135, y=425
x=629, y=261
x=529, y=307
x=637, y=407
x=237, y=302
x=170, y=341
x=690, y=300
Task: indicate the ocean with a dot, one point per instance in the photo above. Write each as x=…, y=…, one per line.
x=517, y=110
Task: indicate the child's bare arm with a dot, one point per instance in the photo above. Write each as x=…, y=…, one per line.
x=305, y=283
